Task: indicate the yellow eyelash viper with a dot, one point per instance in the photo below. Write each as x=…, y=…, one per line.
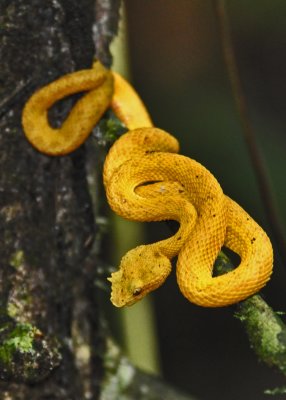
x=146, y=180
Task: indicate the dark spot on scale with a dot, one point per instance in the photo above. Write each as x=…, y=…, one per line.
x=156, y=254
x=214, y=215
x=181, y=191
x=179, y=238
x=197, y=176
x=253, y=240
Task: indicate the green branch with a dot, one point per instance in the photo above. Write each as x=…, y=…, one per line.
x=265, y=330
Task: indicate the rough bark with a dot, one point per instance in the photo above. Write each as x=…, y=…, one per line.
x=49, y=311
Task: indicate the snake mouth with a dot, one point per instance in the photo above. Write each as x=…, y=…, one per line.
x=118, y=300
x=123, y=302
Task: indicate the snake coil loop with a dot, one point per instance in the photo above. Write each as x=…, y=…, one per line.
x=146, y=180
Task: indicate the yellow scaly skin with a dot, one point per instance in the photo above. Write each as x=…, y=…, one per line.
x=84, y=115
x=146, y=180
x=217, y=221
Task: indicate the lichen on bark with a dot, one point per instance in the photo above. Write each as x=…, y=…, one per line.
x=266, y=331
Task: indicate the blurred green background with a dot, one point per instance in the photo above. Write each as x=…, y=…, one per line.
x=177, y=66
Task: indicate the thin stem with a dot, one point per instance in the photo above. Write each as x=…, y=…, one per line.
x=247, y=128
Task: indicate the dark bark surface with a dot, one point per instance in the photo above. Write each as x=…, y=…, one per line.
x=48, y=306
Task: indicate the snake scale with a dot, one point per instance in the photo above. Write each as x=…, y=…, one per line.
x=147, y=180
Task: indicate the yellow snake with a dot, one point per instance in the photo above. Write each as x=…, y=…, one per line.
x=146, y=180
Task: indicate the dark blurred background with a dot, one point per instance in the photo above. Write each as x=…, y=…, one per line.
x=177, y=67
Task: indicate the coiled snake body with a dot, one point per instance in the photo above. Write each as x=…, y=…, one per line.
x=146, y=180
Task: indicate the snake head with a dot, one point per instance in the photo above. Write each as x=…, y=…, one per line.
x=141, y=270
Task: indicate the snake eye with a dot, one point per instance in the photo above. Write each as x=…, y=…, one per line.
x=137, y=291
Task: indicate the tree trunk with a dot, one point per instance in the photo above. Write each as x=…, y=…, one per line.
x=49, y=313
